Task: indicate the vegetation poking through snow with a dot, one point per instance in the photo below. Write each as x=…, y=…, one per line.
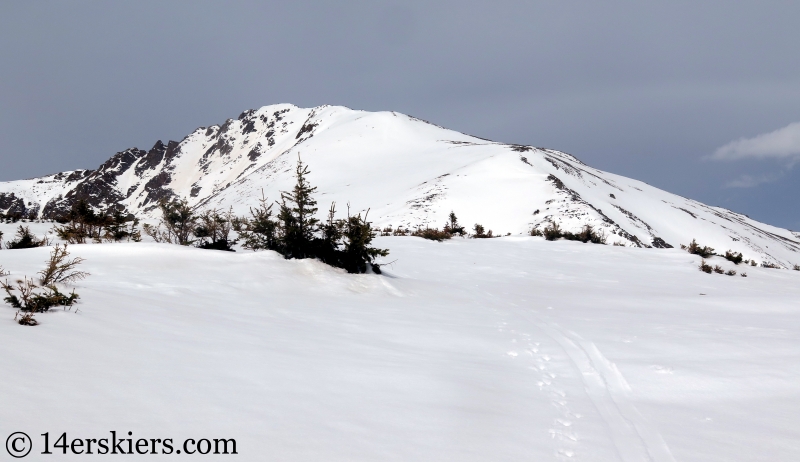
x=734, y=257
x=26, y=240
x=450, y=229
x=796, y=267
x=178, y=222
x=296, y=233
x=452, y=226
x=34, y=298
x=695, y=249
x=433, y=234
x=82, y=223
x=554, y=232
x=731, y=273
x=388, y=231
x=260, y=231
x=60, y=269
x=766, y=264
x=705, y=267
x=213, y=230
x=480, y=232
x=30, y=298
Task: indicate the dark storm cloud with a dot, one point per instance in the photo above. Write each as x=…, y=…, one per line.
x=648, y=90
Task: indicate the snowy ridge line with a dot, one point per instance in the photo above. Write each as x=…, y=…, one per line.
x=634, y=438
x=408, y=172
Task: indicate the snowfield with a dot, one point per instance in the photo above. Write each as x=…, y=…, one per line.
x=469, y=350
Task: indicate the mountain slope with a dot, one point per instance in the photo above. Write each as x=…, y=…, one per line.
x=408, y=172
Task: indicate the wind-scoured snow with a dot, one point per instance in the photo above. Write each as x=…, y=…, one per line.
x=471, y=350
x=408, y=173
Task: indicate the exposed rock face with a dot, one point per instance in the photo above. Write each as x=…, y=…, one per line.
x=407, y=171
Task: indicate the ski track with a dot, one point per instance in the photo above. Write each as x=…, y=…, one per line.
x=634, y=438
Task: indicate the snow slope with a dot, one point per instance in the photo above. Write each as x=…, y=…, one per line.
x=407, y=172
x=470, y=350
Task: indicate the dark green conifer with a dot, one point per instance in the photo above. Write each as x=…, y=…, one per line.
x=297, y=209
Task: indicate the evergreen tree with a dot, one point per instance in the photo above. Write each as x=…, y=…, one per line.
x=358, y=235
x=26, y=240
x=327, y=245
x=260, y=231
x=121, y=227
x=297, y=209
x=81, y=223
x=452, y=225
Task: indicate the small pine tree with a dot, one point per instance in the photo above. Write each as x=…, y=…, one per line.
x=452, y=226
x=480, y=231
x=331, y=233
x=358, y=252
x=260, y=231
x=121, y=227
x=297, y=209
x=25, y=239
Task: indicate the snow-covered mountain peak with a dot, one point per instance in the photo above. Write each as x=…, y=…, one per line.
x=408, y=172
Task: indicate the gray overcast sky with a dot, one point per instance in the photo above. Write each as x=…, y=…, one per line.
x=650, y=90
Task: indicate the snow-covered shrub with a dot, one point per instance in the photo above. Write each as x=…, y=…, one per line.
x=734, y=257
x=753, y=263
x=796, y=267
x=718, y=269
x=695, y=249
x=26, y=240
x=744, y=275
x=731, y=273
x=766, y=264
x=3, y=272
x=704, y=267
